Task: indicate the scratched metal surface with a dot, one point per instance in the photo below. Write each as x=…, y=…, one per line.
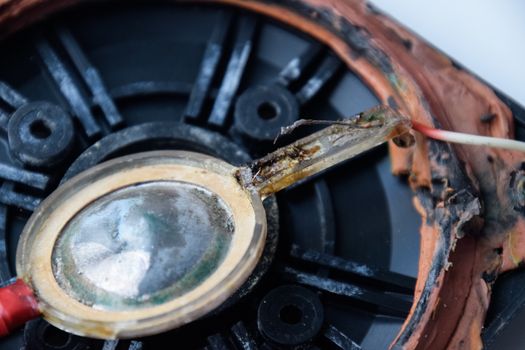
x=142, y=245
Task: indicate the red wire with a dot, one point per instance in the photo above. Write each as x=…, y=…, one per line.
x=17, y=306
x=428, y=131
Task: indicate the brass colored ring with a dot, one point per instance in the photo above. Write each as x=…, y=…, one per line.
x=34, y=255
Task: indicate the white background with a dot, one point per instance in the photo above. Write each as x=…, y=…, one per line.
x=485, y=36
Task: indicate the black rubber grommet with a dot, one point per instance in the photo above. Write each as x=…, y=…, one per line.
x=40, y=134
x=261, y=111
x=290, y=315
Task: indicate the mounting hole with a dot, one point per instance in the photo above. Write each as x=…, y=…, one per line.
x=54, y=337
x=261, y=112
x=40, y=129
x=291, y=314
x=40, y=134
x=267, y=110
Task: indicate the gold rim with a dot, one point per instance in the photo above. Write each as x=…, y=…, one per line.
x=34, y=255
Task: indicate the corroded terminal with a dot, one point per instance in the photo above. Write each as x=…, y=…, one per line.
x=341, y=141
